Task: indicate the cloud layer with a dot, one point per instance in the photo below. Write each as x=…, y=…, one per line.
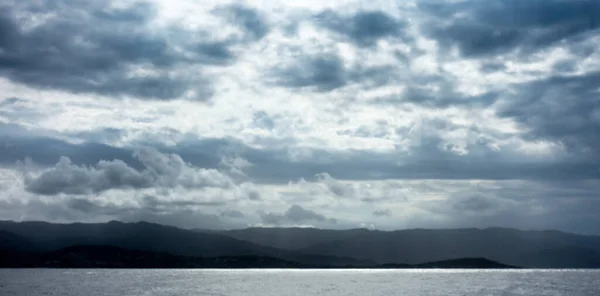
x=425, y=113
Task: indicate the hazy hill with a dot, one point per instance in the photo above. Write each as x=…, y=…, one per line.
x=309, y=246
x=12, y=241
x=144, y=236
x=291, y=238
x=509, y=246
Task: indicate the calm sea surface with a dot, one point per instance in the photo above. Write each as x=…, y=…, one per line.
x=90, y=282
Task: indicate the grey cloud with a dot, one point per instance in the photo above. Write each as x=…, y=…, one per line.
x=155, y=202
x=382, y=213
x=445, y=97
x=17, y=142
x=492, y=67
x=475, y=204
x=381, y=130
x=252, y=21
x=377, y=199
x=502, y=26
x=430, y=157
x=323, y=73
x=168, y=214
x=565, y=66
x=160, y=170
x=561, y=108
x=327, y=72
x=19, y=109
x=90, y=47
x=88, y=207
x=336, y=187
x=232, y=214
x=103, y=135
x=364, y=28
x=263, y=120
x=294, y=215
x=214, y=53
x=561, y=204
x=475, y=40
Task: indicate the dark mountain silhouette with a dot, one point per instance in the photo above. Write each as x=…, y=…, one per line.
x=10, y=241
x=316, y=247
x=143, y=236
x=113, y=257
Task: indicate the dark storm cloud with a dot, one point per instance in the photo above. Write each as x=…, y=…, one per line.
x=90, y=47
x=294, y=215
x=561, y=108
x=482, y=28
x=160, y=170
x=327, y=72
x=364, y=28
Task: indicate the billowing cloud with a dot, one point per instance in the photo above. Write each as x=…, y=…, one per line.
x=160, y=170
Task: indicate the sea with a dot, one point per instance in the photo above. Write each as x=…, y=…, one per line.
x=277, y=282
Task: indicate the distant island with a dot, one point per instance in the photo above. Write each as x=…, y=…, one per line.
x=148, y=245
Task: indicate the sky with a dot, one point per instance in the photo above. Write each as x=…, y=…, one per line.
x=332, y=114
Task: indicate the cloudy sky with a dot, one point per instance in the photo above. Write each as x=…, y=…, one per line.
x=335, y=114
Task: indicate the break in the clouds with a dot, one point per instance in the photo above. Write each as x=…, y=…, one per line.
x=386, y=114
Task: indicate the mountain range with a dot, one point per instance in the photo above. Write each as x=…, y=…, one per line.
x=297, y=247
